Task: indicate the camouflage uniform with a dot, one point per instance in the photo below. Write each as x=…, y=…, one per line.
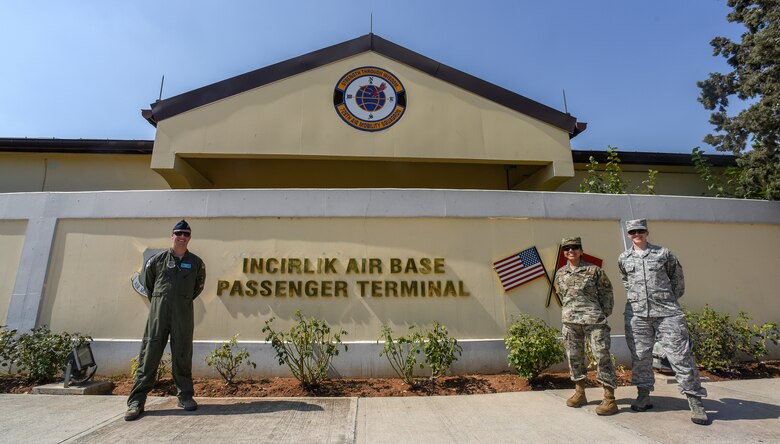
x=654, y=281
x=586, y=293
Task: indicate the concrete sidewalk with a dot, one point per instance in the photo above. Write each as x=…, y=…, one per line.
x=741, y=411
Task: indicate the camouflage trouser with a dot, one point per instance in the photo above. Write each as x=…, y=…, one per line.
x=671, y=332
x=574, y=336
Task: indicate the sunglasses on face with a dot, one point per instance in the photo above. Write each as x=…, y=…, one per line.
x=181, y=233
x=571, y=247
x=637, y=231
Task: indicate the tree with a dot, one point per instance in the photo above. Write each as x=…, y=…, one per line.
x=755, y=78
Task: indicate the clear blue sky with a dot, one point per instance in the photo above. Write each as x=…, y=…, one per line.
x=84, y=69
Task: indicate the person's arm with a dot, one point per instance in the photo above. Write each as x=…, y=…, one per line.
x=150, y=276
x=676, y=277
x=623, y=274
x=200, y=280
x=604, y=290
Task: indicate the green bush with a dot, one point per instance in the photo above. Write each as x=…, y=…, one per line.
x=533, y=345
x=42, y=354
x=163, y=369
x=307, y=348
x=717, y=339
x=226, y=362
x=402, y=352
x=439, y=349
x=7, y=348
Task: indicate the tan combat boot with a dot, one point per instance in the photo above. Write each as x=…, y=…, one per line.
x=698, y=415
x=608, y=405
x=578, y=398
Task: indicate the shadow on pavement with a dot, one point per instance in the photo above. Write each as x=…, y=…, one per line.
x=240, y=408
x=724, y=409
x=730, y=409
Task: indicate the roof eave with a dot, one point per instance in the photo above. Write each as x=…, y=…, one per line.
x=163, y=109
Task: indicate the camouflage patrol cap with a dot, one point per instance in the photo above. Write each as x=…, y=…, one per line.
x=636, y=224
x=571, y=241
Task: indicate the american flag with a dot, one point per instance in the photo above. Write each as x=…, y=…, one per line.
x=519, y=268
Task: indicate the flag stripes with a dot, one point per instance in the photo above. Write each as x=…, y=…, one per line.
x=519, y=268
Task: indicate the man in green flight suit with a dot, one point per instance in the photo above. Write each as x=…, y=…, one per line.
x=173, y=279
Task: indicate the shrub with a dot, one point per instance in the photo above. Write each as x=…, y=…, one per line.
x=42, y=354
x=307, y=349
x=533, y=345
x=163, y=369
x=402, y=352
x=717, y=339
x=439, y=349
x=7, y=348
x=226, y=362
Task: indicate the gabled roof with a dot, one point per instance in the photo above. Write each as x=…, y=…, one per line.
x=173, y=106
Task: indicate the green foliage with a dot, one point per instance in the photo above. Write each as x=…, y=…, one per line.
x=8, y=348
x=717, y=339
x=533, y=345
x=721, y=185
x=439, y=349
x=163, y=369
x=42, y=354
x=754, y=80
x=609, y=178
x=226, y=362
x=402, y=352
x=307, y=348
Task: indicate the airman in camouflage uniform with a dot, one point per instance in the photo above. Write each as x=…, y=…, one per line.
x=173, y=279
x=587, y=302
x=654, y=281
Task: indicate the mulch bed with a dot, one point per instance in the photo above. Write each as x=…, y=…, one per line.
x=381, y=387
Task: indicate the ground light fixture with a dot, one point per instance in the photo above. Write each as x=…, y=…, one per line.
x=80, y=366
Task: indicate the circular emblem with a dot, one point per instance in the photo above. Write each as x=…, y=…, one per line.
x=370, y=98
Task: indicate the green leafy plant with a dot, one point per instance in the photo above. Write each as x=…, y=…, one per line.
x=402, y=352
x=307, y=348
x=163, y=369
x=609, y=178
x=533, y=345
x=439, y=349
x=717, y=339
x=41, y=353
x=226, y=362
x=722, y=185
x=8, y=348
x=648, y=183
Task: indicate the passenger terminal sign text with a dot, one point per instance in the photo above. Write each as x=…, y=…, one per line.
x=340, y=278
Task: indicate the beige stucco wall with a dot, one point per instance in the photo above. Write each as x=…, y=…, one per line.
x=77, y=172
x=296, y=117
x=11, y=241
x=88, y=288
x=670, y=180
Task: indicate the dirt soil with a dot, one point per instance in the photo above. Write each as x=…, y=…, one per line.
x=379, y=387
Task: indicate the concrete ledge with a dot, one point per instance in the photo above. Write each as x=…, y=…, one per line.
x=88, y=388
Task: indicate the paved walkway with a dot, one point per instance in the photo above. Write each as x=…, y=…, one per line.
x=741, y=411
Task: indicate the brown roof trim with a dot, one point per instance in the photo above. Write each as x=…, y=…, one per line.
x=164, y=109
x=661, y=159
x=115, y=146
x=78, y=146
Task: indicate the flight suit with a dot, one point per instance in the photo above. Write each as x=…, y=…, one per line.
x=171, y=285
